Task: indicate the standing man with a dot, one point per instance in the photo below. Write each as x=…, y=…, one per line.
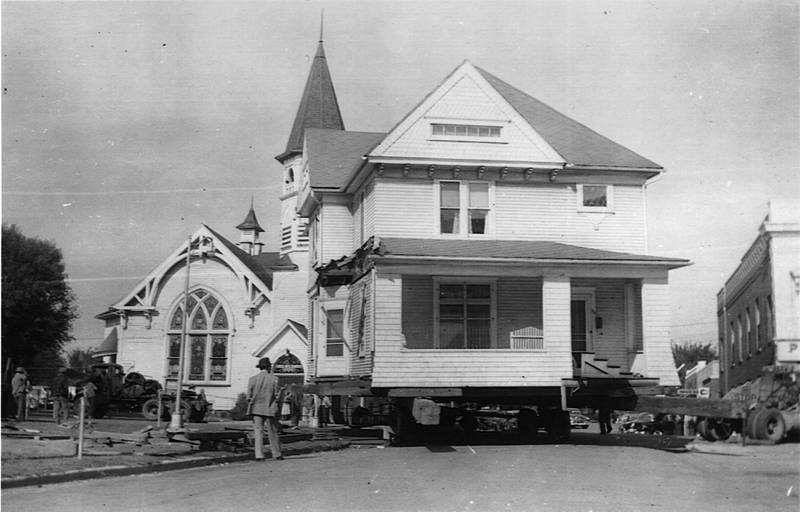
x=20, y=385
x=60, y=392
x=265, y=399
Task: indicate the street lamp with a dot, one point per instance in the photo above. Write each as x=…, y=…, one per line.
x=205, y=245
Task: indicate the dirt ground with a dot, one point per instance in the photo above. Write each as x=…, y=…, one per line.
x=156, y=451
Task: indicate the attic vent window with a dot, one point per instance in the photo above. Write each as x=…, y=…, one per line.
x=464, y=131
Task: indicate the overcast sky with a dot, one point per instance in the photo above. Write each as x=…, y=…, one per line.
x=125, y=125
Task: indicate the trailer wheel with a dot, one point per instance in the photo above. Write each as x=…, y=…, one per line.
x=720, y=429
x=704, y=429
x=769, y=425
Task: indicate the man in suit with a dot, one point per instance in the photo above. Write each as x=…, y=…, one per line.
x=265, y=396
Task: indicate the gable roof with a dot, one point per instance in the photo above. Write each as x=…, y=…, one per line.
x=263, y=265
x=257, y=269
x=335, y=155
x=576, y=143
x=288, y=326
x=318, y=105
x=521, y=250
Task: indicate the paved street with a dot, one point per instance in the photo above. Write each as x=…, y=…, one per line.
x=482, y=478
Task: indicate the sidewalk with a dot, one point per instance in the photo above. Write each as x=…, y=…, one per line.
x=39, y=452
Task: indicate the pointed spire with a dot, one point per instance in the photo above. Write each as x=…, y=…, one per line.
x=318, y=105
x=250, y=222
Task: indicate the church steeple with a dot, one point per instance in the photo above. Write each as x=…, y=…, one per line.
x=250, y=229
x=318, y=105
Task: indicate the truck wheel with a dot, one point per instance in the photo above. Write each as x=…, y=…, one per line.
x=528, y=423
x=769, y=425
x=150, y=410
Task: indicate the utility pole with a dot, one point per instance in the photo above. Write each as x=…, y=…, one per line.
x=177, y=416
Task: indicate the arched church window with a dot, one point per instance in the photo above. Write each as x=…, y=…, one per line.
x=289, y=369
x=206, y=350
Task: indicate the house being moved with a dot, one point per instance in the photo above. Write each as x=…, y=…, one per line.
x=486, y=248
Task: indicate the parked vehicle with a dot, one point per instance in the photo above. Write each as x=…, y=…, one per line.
x=133, y=392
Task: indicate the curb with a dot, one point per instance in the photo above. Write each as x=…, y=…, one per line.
x=195, y=462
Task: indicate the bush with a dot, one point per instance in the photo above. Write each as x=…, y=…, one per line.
x=239, y=411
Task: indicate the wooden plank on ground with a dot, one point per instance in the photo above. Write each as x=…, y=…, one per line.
x=691, y=406
x=414, y=392
x=118, y=436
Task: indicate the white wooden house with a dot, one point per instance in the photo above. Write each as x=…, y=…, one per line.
x=485, y=242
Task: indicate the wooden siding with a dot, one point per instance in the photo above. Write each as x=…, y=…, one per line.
x=549, y=212
x=369, y=210
x=530, y=211
x=414, y=198
x=399, y=366
x=469, y=99
x=336, y=232
x=656, y=333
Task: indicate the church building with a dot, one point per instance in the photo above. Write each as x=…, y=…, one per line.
x=243, y=303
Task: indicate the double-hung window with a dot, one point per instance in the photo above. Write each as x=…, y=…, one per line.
x=464, y=208
x=334, y=333
x=465, y=314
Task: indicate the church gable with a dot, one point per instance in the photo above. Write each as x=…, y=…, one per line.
x=204, y=246
x=465, y=119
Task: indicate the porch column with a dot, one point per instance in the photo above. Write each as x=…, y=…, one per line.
x=556, y=322
x=656, y=331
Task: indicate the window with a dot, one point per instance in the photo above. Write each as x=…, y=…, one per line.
x=595, y=198
x=739, y=338
x=732, y=356
x=757, y=312
x=334, y=339
x=207, y=335
x=748, y=331
x=464, y=315
x=464, y=207
x=464, y=131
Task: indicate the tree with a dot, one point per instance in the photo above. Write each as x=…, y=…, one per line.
x=690, y=353
x=79, y=359
x=38, y=305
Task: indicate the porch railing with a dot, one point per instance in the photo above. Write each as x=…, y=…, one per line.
x=527, y=338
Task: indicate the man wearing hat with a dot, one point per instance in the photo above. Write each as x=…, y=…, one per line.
x=20, y=385
x=264, y=397
x=60, y=391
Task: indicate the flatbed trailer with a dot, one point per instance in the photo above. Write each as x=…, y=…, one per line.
x=770, y=414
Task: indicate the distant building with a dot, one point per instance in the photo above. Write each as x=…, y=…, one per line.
x=703, y=379
x=758, y=309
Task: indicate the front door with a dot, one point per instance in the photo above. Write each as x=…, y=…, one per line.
x=581, y=316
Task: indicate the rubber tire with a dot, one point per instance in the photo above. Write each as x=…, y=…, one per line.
x=770, y=425
x=721, y=430
x=752, y=421
x=704, y=429
x=150, y=410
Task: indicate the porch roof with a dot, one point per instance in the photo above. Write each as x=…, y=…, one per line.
x=512, y=250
